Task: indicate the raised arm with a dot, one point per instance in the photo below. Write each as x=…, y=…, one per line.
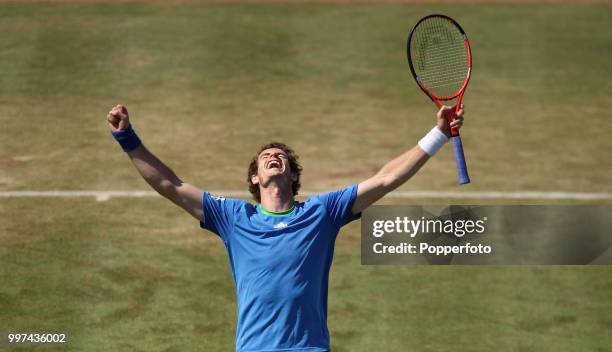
x=402, y=168
x=156, y=173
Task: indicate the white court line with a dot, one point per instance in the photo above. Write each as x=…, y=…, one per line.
x=106, y=195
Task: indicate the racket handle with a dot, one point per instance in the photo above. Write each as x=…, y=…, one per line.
x=460, y=159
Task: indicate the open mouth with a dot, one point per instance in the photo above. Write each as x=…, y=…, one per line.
x=274, y=164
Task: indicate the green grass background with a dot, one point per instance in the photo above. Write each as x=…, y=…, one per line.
x=207, y=84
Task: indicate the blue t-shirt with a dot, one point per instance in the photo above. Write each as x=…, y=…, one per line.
x=280, y=265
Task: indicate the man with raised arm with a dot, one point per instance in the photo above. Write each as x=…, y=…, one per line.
x=280, y=250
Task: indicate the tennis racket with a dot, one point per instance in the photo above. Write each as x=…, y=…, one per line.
x=440, y=60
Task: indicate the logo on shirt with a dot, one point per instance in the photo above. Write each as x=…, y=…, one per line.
x=280, y=225
x=221, y=199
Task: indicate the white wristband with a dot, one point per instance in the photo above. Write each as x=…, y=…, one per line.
x=433, y=141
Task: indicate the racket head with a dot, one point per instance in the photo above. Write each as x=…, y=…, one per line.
x=439, y=57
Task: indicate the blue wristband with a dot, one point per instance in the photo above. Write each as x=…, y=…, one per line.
x=127, y=139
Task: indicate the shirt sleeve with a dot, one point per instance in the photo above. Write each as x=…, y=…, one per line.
x=339, y=204
x=219, y=214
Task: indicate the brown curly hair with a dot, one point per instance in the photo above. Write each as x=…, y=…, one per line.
x=294, y=166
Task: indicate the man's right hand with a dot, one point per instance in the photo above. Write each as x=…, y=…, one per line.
x=118, y=118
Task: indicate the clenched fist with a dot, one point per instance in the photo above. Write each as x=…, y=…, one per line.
x=118, y=118
x=448, y=120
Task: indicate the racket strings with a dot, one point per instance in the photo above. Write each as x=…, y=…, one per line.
x=439, y=56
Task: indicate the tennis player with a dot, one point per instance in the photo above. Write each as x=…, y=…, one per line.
x=280, y=250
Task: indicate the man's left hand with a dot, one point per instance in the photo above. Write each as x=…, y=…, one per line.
x=446, y=113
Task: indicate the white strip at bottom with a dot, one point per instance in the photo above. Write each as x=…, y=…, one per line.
x=106, y=195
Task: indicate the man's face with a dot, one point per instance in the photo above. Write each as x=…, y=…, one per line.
x=272, y=163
